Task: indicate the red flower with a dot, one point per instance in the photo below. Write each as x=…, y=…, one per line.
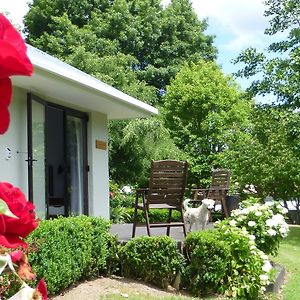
x=12, y=230
x=13, y=61
x=42, y=289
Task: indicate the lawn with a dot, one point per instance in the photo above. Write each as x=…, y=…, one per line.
x=288, y=256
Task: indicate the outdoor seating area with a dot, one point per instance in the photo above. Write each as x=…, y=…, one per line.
x=167, y=190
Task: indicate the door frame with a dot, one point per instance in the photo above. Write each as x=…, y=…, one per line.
x=30, y=159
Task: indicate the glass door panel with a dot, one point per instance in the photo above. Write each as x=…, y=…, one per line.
x=56, y=165
x=36, y=159
x=75, y=158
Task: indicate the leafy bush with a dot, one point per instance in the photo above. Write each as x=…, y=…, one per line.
x=208, y=259
x=65, y=250
x=155, y=215
x=152, y=259
x=265, y=221
x=248, y=269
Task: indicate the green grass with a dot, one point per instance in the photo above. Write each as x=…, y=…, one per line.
x=288, y=256
x=139, y=297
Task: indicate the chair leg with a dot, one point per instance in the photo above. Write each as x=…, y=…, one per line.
x=147, y=221
x=134, y=222
x=182, y=220
x=169, y=221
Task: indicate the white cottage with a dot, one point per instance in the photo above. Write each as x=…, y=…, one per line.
x=56, y=148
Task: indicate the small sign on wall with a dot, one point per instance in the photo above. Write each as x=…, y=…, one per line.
x=101, y=145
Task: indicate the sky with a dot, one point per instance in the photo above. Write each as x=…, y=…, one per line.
x=237, y=25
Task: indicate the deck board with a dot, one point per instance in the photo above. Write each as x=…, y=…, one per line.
x=124, y=231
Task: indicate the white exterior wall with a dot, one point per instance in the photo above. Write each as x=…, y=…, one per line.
x=98, y=162
x=14, y=170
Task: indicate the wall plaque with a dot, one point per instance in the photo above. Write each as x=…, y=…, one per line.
x=101, y=145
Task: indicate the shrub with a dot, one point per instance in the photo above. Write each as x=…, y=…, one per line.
x=65, y=250
x=152, y=259
x=208, y=259
x=248, y=270
x=155, y=215
x=265, y=221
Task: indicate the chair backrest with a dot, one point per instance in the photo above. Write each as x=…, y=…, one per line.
x=167, y=182
x=220, y=182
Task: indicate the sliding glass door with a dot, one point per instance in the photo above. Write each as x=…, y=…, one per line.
x=57, y=159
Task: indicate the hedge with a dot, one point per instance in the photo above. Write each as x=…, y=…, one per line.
x=208, y=259
x=66, y=250
x=152, y=259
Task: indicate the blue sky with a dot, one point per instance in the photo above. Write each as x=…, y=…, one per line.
x=237, y=24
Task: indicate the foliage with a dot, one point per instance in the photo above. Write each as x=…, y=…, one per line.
x=152, y=259
x=208, y=259
x=279, y=69
x=135, y=145
x=155, y=215
x=65, y=250
x=266, y=153
x=113, y=260
x=202, y=106
x=159, y=38
x=248, y=270
x=136, y=46
x=264, y=222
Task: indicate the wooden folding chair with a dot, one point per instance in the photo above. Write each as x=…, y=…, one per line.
x=218, y=189
x=166, y=191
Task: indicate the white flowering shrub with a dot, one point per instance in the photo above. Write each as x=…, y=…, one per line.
x=248, y=270
x=265, y=223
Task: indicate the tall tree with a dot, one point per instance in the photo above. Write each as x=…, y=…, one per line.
x=202, y=106
x=267, y=153
x=279, y=69
x=134, y=45
x=155, y=40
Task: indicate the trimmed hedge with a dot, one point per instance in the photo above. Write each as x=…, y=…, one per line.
x=158, y=215
x=155, y=215
x=152, y=259
x=65, y=250
x=208, y=259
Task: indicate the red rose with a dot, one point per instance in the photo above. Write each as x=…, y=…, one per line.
x=13, y=61
x=42, y=289
x=12, y=230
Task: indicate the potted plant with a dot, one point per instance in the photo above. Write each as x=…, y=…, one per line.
x=233, y=197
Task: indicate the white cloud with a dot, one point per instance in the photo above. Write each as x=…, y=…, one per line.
x=16, y=9
x=242, y=20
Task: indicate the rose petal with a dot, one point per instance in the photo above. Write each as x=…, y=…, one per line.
x=4, y=119
x=13, y=57
x=11, y=241
x=16, y=255
x=12, y=62
x=5, y=91
x=42, y=288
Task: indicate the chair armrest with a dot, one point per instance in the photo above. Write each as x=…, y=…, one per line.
x=142, y=191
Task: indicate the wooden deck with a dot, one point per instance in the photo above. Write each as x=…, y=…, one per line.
x=124, y=231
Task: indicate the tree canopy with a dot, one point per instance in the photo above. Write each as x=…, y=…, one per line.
x=141, y=35
x=279, y=69
x=267, y=153
x=202, y=106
